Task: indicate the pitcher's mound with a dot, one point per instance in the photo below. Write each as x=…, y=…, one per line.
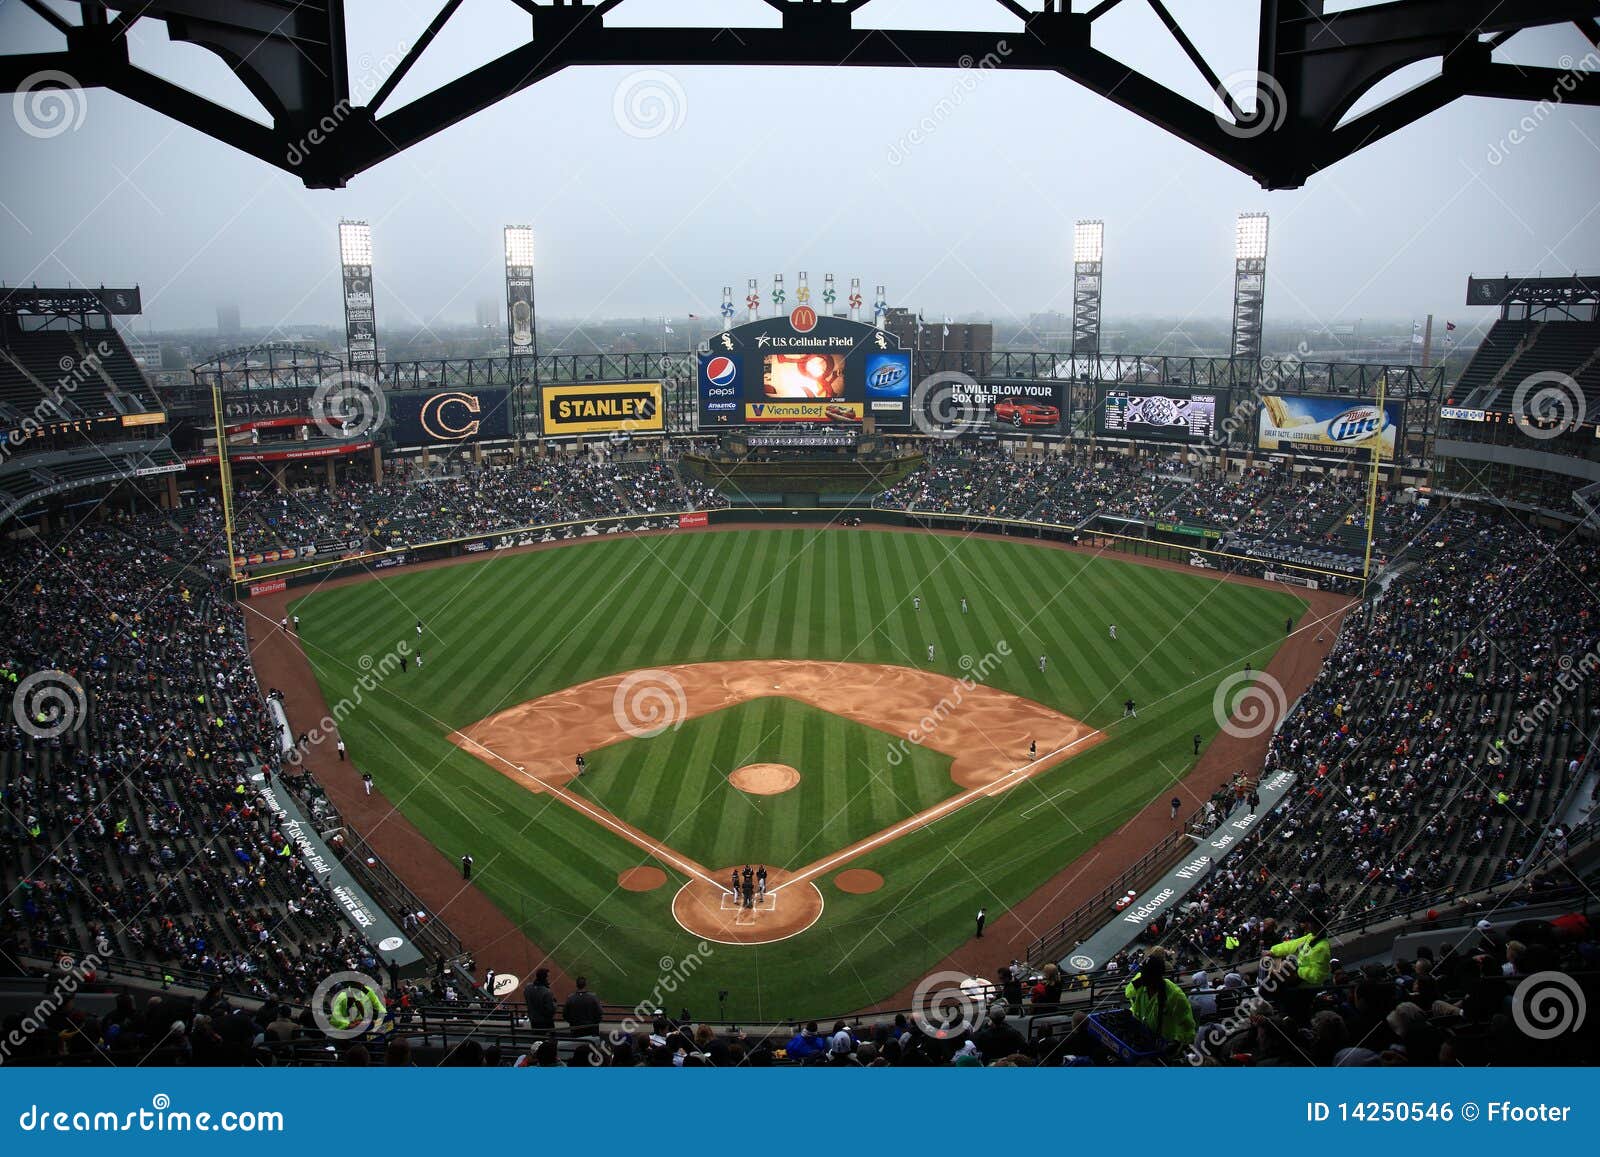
x=858, y=881
x=641, y=879
x=765, y=778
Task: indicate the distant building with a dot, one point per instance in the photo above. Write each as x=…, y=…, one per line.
x=960, y=345
x=228, y=320
x=488, y=313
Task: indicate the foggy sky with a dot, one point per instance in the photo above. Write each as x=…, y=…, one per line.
x=760, y=171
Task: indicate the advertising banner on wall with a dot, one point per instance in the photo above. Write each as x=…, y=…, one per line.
x=804, y=367
x=602, y=408
x=424, y=417
x=1174, y=415
x=361, y=331
x=1312, y=425
x=519, y=308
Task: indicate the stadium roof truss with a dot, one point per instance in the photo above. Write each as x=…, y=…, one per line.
x=1313, y=66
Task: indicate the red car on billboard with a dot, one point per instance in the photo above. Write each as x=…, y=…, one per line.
x=1016, y=412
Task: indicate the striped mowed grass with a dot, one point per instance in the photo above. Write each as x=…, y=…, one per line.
x=518, y=626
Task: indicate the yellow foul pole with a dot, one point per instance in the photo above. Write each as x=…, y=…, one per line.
x=1372, y=479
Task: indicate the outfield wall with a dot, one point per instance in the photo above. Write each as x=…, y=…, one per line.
x=595, y=529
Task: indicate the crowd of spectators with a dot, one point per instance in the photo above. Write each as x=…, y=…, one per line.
x=1430, y=754
x=139, y=834
x=1269, y=512
x=415, y=505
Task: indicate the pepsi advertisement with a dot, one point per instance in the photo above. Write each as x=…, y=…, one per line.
x=804, y=368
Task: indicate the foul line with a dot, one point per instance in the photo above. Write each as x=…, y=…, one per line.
x=923, y=818
x=604, y=818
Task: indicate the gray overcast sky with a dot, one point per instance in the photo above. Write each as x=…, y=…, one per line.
x=977, y=218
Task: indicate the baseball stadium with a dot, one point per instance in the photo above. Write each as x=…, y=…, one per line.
x=801, y=677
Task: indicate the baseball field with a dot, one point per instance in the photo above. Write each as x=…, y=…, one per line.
x=767, y=697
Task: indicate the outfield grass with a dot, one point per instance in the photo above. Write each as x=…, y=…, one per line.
x=515, y=627
x=674, y=786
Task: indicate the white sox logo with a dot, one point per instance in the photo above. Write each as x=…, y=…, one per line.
x=443, y=422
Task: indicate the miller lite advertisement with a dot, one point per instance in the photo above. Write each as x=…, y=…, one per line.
x=804, y=367
x=1308, y=425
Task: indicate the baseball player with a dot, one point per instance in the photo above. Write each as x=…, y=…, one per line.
x=1033, y=750
x=1043, y=663
x=930, y=652
x=749, y=887
x=1113, y=629
x=581, y=766
x=916, y=602
x=963, y=605
x=761, y=883
x=736, y=886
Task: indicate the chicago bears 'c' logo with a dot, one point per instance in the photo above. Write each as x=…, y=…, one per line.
x=722, y=371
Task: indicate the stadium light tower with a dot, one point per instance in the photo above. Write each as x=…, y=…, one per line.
x=1088, y=250
x=360, y=325
x=522, y=330
x=1249, y=288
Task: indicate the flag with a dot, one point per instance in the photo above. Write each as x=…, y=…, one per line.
x=665, y=328
x=1448, y=326
x=1416, y=333
x=947, y=325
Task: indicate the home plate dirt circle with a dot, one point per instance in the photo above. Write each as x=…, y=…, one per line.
x=764, y=778
x=641, y=879
x=710, y=912
x=858, y=881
